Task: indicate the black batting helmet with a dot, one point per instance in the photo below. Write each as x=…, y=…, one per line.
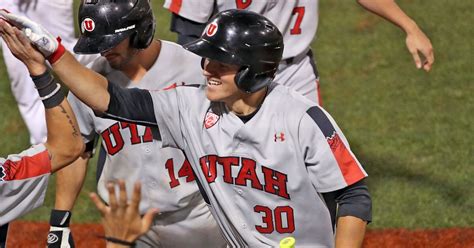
x=105, y=23
x=242, y=38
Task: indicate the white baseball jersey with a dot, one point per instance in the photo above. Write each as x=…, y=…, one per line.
x=58, y=17
x=23, y=182
x=262, y=177
x=297, y=20
x=132, y=154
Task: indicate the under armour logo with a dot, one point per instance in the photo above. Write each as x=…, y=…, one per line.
x=52, y=238
x=279, y=136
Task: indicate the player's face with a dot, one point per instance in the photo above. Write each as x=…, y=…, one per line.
x=120, y=55
x=221, y=86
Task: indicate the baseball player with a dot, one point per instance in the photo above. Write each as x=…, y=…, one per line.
x=265, y=157
x=24, y=176
x=57, y=15
x=133, y=59
x=298, y=22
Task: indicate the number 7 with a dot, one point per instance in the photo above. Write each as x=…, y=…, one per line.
x=299, y=18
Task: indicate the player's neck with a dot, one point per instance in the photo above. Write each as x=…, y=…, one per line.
x=247, y=103
x=142, y=61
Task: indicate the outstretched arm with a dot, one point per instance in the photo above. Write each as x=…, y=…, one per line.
x=416, y=41
x=64, y=141
x=89, y=86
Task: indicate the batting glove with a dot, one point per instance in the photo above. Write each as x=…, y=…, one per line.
x=47, y=44
x=60, y=235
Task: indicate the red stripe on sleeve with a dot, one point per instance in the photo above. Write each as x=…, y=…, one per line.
x=28, y=167
x=175, y=6
x=349, y=167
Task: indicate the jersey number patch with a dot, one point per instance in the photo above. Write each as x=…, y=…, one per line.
x=184, y=171
x=281, y=219
x=299, y=12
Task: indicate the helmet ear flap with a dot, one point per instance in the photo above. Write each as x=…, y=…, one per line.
x=243, y=79
x=142, y=38
x=250, y=82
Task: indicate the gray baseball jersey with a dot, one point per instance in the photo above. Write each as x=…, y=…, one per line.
x=296, y=19
x=263, y=178
x=23, y=182
x=134, y=153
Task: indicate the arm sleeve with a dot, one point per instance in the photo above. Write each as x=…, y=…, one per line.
x=186, y=27
x=23, y=182
x=170, y=116
x=330, y=163
x=130, y=105
x=197, y=11
x=353, y=200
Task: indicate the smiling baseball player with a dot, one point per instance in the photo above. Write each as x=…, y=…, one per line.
x=131, y=58
x=267, y=159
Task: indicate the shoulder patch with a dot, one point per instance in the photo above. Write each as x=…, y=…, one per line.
x=210, y=120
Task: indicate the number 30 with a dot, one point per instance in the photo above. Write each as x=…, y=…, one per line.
x=277, y=214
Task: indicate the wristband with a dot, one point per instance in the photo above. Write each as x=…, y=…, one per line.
x=58, y=53
x=60, y=218
x=49, y=90
x=118, y=241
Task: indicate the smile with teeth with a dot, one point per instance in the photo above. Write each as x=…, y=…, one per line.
x=213, y=82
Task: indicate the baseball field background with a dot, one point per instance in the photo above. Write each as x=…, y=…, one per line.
x=413, y=131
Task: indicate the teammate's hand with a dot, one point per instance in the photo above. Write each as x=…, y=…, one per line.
x=21, y=48
x=417, y=42
x=121, y=219
x=39, y=36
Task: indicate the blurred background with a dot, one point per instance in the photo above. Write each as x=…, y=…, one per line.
x=413, y=131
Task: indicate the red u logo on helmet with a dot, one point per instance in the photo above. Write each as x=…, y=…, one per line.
x=88, y=25
x=211, y=29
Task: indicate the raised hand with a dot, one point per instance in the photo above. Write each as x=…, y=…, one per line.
x=121, y=219
x=46, y=43
x=21, y=48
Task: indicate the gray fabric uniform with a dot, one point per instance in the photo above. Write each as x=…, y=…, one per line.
x=263, y=178
x=134, y=153
x=23, y=182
